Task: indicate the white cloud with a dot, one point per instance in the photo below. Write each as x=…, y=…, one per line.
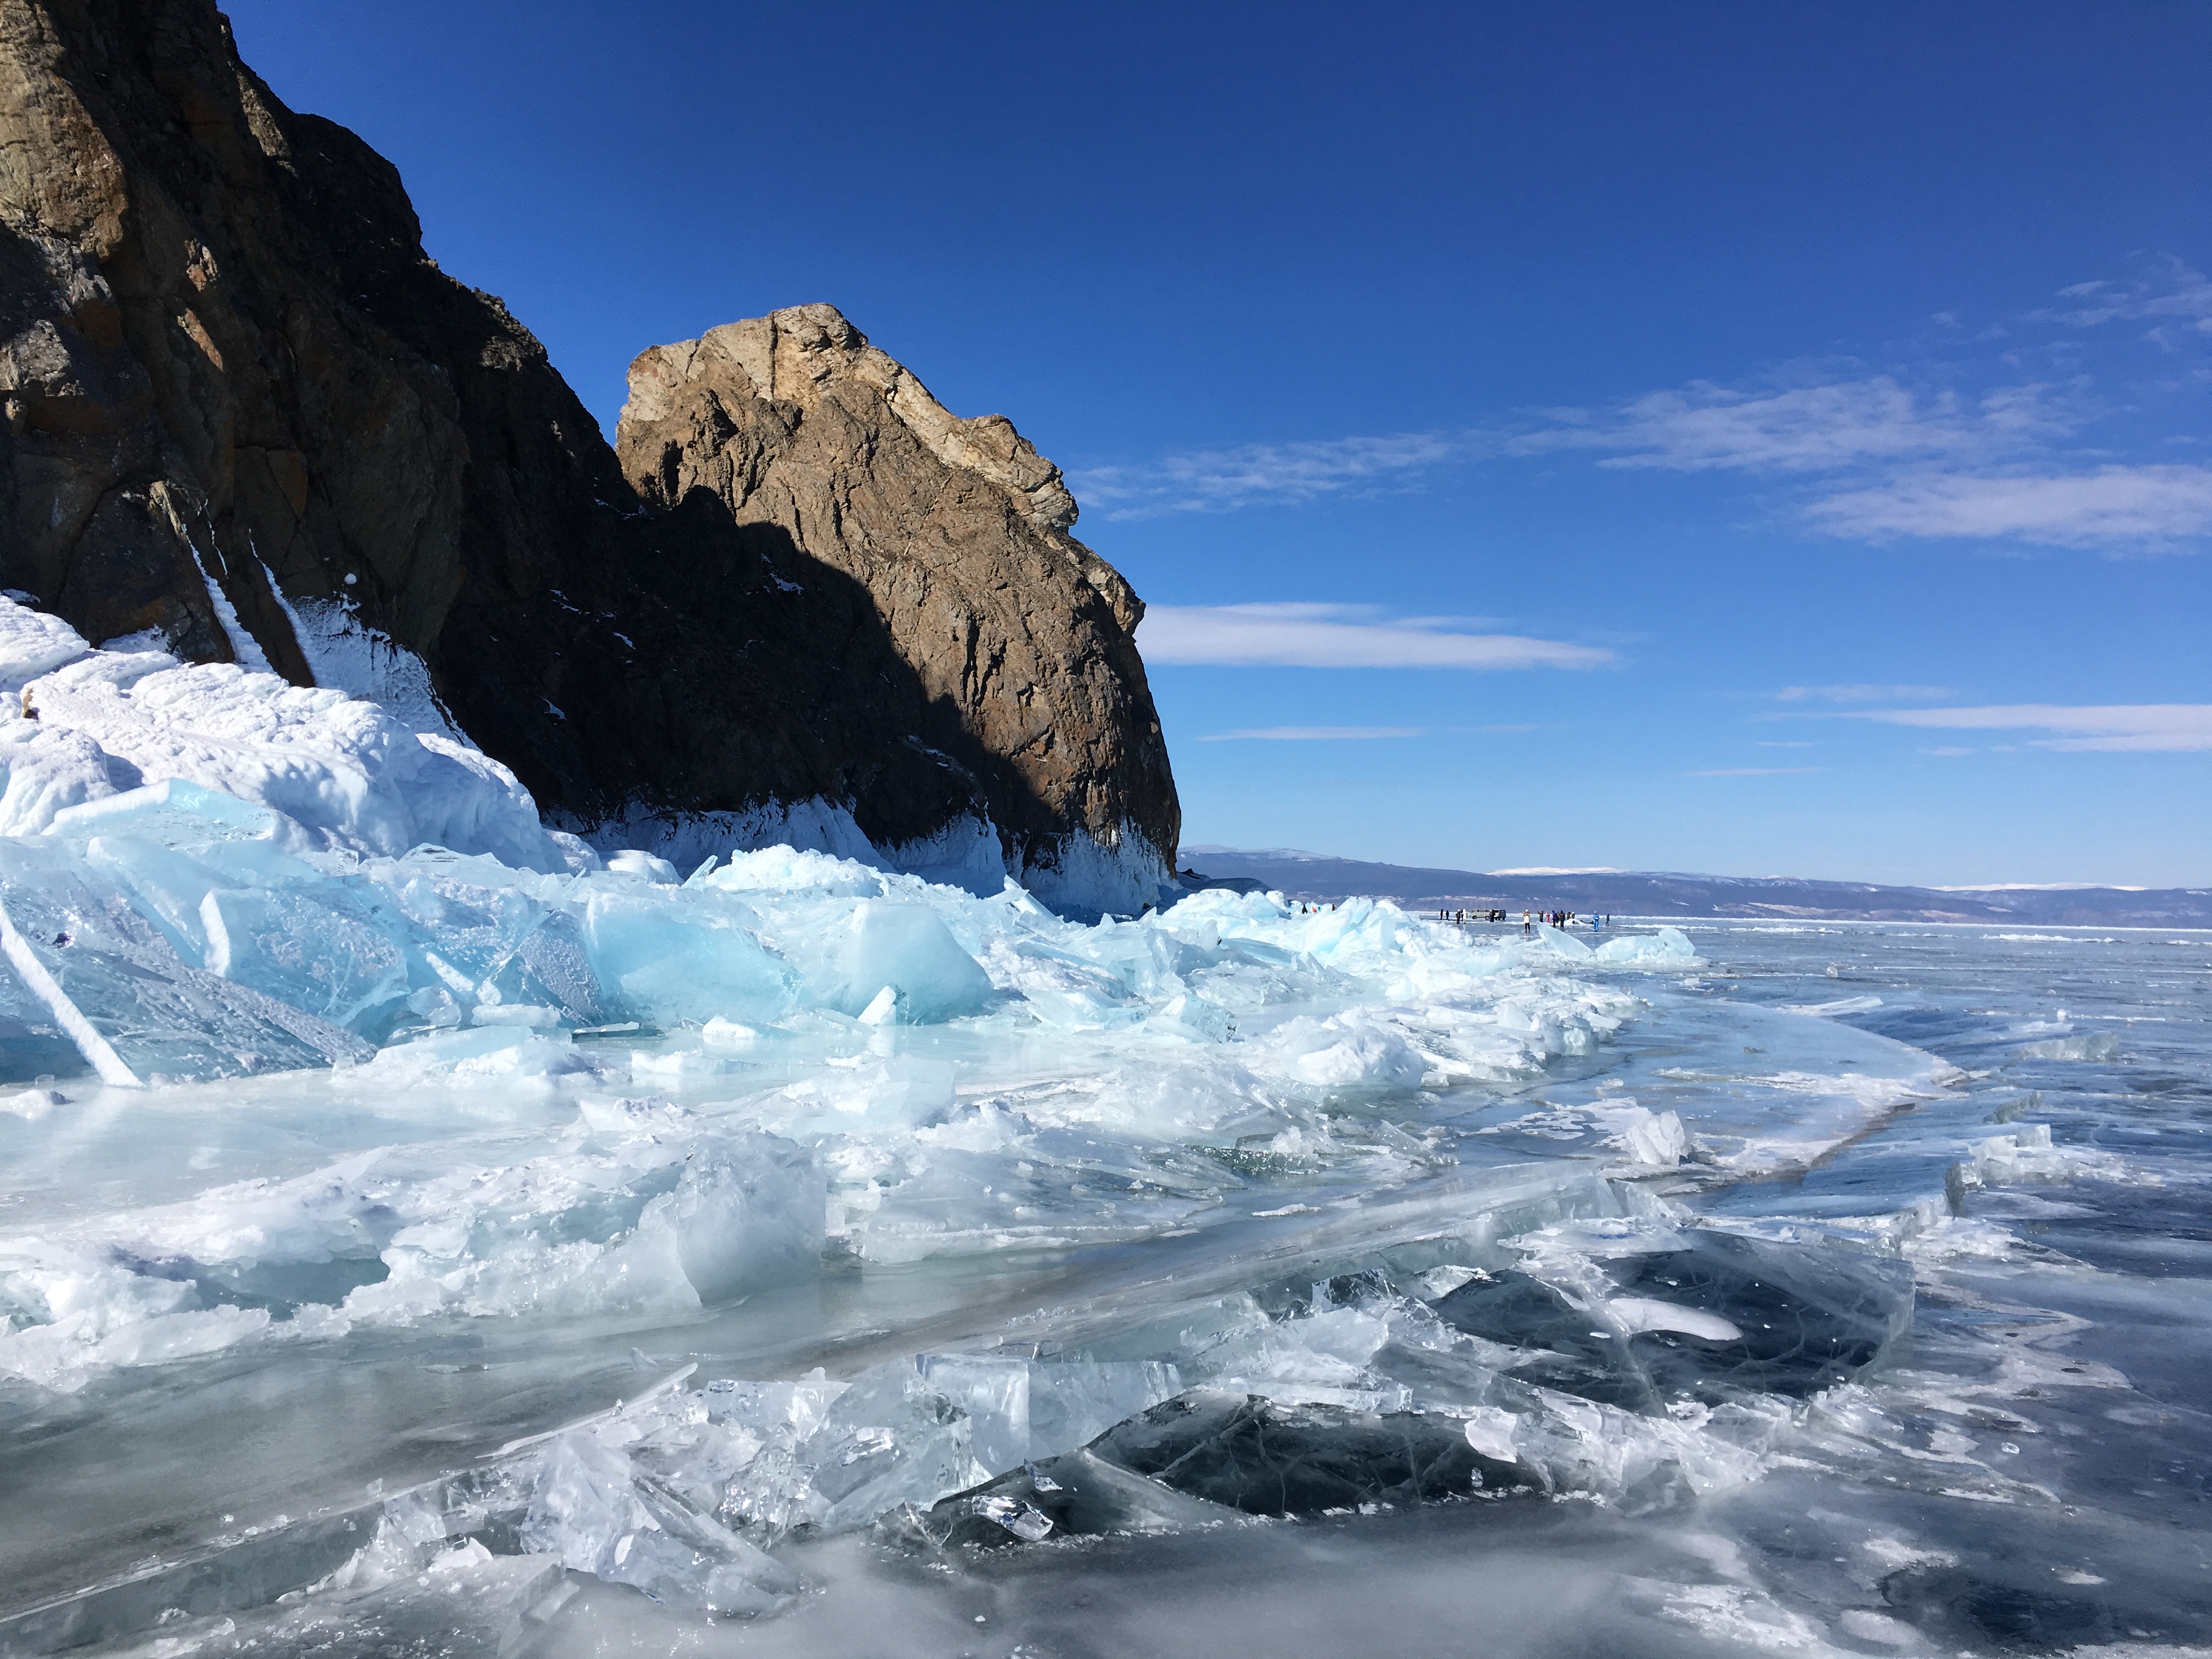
x=1910, y=464
x=2155, y=727
x=2175, y=293
x=1259, y=475
x=1754, y=771
x=1862, y=693
x=1316, y=733
x=1802, y=429
x=1944, y=453
x=2151, y=505
x=1339, y=636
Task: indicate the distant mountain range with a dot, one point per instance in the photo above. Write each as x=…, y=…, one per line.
x=1654, y=893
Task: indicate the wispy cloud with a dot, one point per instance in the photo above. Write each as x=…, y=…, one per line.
x=1862, y=693
x=1316, y=733
x=1754, y=771
x=1935, y=465
x=2152, y=727
x=1813, y=427
x=2152, y=506
x=1964, y=449
x=2173, y=294
x=1259, y=475
x=1340, y=636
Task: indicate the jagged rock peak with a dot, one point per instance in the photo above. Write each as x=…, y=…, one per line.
x=790, y=355
x=1019, y=635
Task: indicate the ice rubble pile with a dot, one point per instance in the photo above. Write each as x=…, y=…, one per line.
x=1118, y=1079
x=692, y=1086
x=171, y=931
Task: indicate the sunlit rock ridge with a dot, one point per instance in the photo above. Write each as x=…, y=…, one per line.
x=249, y=421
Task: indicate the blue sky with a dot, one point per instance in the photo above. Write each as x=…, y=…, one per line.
x=1756, y=440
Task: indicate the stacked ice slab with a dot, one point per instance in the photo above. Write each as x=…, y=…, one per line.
x=176, y=845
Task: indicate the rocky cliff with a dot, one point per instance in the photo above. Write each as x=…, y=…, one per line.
x=245, y=411
x=795, y=427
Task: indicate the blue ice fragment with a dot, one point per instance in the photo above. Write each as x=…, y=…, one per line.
x=551, y=966
x=675, y=961
x=487, y=934
x=906, y=949
x=135, y=1010
x=166, y=886
x=301, y=950
x=174, y=813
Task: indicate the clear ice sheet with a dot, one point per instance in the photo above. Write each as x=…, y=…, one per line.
x=645, y=1262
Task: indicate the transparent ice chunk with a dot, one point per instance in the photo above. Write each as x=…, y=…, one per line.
x=592, y=1512
x=890, y=1439
x=1072, y=1401
x=994, y=1394
x=676, y=962
x=746, y=1212
x=905, y=950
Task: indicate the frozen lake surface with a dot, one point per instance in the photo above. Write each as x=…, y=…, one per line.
x=1245, y=1279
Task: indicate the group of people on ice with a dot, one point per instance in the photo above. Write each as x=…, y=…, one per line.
x=1528, y=918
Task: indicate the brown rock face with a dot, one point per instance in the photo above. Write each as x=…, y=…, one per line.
x=1018, y=635
x=231, y=378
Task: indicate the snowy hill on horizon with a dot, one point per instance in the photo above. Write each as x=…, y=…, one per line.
x=1664, y=893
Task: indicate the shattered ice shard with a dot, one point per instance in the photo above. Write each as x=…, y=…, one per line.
x=592, y=1512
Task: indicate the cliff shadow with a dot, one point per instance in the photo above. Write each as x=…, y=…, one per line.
x=776, y=677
